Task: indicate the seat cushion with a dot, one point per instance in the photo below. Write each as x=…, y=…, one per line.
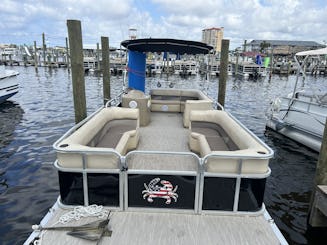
x=216, y=136
x=110, y=135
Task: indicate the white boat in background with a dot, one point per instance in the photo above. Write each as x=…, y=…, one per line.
x=249, y=70
x=301, y=115
x=8, y=83
x=185, y=67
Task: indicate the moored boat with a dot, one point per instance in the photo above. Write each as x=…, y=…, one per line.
x=8, y=83
x=302, y=114
x=171, y=165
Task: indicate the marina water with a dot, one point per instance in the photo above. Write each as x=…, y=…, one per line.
x=43, y=111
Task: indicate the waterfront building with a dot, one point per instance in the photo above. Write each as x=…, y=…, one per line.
x=213, y=37
x=283, y=47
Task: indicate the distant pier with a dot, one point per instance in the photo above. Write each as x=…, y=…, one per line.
x=240, y=63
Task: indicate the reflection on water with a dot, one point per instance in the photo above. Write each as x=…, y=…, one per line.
x=10, y=115
x=43, y=110
x=3, y=182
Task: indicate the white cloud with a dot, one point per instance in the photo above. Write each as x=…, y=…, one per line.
x=250, y=19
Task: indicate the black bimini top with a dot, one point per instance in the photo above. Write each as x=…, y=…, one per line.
x=166, y=45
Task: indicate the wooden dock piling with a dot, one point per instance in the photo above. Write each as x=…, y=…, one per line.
x=271, y=62
x=318, y=205
x=35, y=57
x=98, y=57
x=67, y=54
x=10, y=59
x=25, y=60
x=223, y=71
x=76, y=56
x=105, y=69
x=55, y=55
x=44, y=47
x=244, y=49
x=236, y=63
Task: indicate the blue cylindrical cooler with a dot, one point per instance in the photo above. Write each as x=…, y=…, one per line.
x=136, y=70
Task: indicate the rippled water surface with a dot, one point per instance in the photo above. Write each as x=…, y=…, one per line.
x=43, y=110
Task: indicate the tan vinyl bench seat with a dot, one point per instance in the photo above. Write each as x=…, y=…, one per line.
x=215, y=132
x=179, y=100
x=113, y=131
x=215, y=135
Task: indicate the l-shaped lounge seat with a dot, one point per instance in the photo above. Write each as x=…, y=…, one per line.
x=103, y=139
x=216, y=133
x=179, y=100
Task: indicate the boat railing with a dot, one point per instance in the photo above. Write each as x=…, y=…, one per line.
x=88, y=152
x=310, y=98
x=85, y=174
x=217, y=105
x=148, y=170
x=73, y=129
x=195, y=183
x=116, y=100
x=243, y=191
x=83, y=182
x=308, y=106
x=199, y=190
x=270, y=153
x=191, y=187
x=305, y=115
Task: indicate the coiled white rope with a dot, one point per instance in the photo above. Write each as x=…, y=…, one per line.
x=81, y=212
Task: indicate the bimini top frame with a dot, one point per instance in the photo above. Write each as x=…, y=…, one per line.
x=305, y=55
x=167, y=45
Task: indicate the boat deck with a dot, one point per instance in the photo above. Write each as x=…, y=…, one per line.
x=166, y=133
x=200, y=216
x=170, y=228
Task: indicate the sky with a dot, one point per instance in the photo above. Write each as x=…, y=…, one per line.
x=24, y=21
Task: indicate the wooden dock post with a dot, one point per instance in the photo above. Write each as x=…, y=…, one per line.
x=44, y=47
x=98, y=57
x=10, y=59
x=25, y=59
x=236, y=63
x=67, y=54
x=271, y=62
x=317, y=217
x=223, y=71
x=35, y=57
x=244, y=49
x=55, y=55
x=105, y=69
x=49, y=60
x=76, y=56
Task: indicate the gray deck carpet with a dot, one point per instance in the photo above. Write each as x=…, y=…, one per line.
x=164, y=133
